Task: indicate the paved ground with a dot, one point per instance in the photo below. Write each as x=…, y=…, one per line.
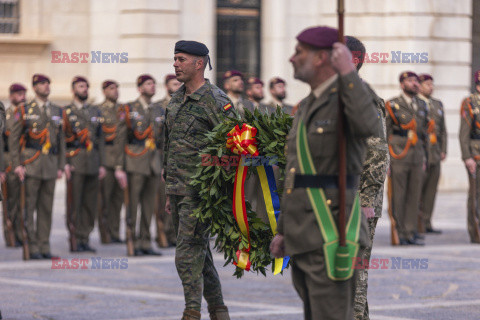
x=148, y=289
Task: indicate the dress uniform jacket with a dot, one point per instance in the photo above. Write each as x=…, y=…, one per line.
x=320, y=114
x=399, y=126
x=43, y=147
x=142, y=130
x=84, y=138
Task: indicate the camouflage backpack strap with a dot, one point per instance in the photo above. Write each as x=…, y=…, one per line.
x=338, y=260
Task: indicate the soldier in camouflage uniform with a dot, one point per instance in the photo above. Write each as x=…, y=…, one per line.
x=195, y=109
x=37, y=148
x=171, y=85
x=140, y=138
x=85, y=159
x=254, y=93
x=371, y=185
x=234, y=87
x=112, y=186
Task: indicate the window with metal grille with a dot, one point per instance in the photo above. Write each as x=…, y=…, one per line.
x=9, y=16
x=238, y=37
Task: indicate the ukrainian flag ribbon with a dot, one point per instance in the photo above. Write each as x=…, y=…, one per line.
x=243, y=142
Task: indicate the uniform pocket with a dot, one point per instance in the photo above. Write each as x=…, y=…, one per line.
x=322, y=138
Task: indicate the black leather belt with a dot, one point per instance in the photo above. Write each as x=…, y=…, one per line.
x=137, y=142
x=38, y=147
x=76, y=145
x=475, y=136
x=323, y=181
x=402, y=133
x=109, y=143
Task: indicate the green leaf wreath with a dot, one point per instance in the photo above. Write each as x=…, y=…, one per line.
x=215, y=187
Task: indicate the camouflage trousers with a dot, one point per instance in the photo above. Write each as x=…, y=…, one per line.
x=360, y=305
x=193, y=257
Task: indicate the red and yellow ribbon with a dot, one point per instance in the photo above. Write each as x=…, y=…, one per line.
x=242, y=141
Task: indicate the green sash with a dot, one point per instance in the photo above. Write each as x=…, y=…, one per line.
x=338, y=259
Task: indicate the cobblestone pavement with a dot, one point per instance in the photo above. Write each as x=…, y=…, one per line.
x=446, y=286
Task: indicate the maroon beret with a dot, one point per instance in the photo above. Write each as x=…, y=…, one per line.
x=15, y=87
x=144, y=77
x=80, y=79
x=231, y=73
x=276, y=80
x=108, y=83
x=39, y=78
x=424, y=77
x=169, y=77
x=477, y=77
x=407, y=74
x=319, y=37
x=254, y=80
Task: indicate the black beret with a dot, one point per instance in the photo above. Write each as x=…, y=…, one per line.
x=191, y=47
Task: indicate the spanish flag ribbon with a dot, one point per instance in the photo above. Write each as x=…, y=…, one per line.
x=243, y=142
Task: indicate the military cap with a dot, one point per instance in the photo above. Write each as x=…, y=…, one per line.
x=144, y=77
x=39, y=78
x=276, y=80
x=232, y=73
x=191, y=47
x=15, y=87
x=477, y=77
x=424, y=77
x=407, y=74
x=169, y=77
x=319, y=37
x=254, y=80
x=107, y=83
x=79, y=79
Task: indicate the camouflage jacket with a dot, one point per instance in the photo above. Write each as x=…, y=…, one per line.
x=376, y=163
x=188, y=119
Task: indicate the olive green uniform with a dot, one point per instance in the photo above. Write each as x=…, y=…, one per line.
x=112, y=193
x=470, y=146
x=371, y=188
x=40, y=126
x=188, y=119
x=286, y=108
x=85, y=153
x=140, y=133
x=163, y=215
x=322, y=297
x=407, y=160
x=12, y=182
x=436, y=145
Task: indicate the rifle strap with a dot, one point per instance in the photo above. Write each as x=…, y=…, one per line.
x=338, y=259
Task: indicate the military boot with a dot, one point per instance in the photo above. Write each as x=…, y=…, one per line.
x=218, y=313
x=191, y=315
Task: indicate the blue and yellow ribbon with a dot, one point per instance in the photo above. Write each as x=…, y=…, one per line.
x=243, y=142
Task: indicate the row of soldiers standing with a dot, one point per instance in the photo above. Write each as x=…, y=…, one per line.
x=102, y=150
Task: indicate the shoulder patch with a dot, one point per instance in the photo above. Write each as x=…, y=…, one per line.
x=227, y=107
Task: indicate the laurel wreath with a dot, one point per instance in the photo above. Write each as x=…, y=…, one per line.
x=214, y=185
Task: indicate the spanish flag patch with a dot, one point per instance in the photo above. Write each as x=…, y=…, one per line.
x=227, y=107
